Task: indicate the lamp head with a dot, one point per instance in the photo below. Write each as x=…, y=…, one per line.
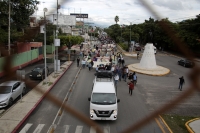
x=45, y=9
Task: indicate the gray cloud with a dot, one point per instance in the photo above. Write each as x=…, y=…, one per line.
x=170, y=4
x=129, y=4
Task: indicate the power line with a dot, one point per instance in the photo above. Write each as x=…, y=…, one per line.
x=184, y=17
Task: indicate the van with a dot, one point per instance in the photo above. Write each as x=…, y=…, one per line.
x=103, y=100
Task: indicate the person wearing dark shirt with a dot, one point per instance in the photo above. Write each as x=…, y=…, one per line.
x=78, y=60
x=182, y=81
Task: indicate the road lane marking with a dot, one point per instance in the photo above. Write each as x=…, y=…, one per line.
x=39, y=128
x=92, y=130
x=26, y=128
x=106, y=129
x=59, y=115
x=159, y=125
x=79, y=129
x=67, y=128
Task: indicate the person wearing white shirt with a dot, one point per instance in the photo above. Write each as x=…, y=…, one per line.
x=83, y=63
x=116, y=78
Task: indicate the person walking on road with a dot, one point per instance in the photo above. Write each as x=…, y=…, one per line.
x=125, y=73
x=134, y=78
x=131, y=87
x=83, y=63
x=122, y=61
x=89, y=66
x=182, y=81
x=116, y=78
x=138, y=55
x=78, y=60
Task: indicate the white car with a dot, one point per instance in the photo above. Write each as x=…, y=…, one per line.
x=10, y=91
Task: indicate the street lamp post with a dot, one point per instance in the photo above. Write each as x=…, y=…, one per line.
x=45, y=65
x=57, y=38
x=9, y=27
x=130, y=33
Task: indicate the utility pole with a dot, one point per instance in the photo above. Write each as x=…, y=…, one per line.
x=130, y=33
x=45, y=59
x=57, y=38
x=9, y=27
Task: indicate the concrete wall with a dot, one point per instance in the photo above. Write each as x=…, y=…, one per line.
x=50, y=49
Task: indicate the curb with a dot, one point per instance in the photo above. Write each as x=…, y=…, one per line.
x=165, y=124
x=188, y=127
x=151, y=74
x=27, y=115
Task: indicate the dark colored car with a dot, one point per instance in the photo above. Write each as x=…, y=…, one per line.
x=186, y=63
x=138, y=48
x=38, y=72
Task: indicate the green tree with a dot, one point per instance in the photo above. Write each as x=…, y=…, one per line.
x=116, y=19
x=19, y=15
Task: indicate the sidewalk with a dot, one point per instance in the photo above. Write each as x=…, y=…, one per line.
x=14, y=117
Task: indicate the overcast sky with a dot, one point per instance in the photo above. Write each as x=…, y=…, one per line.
x=103, y=12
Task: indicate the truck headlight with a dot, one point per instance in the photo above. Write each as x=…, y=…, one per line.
x=91, y=111
x=115, y=112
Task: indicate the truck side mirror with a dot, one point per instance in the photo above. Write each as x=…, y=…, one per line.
x=89, y=99
x=118, y=100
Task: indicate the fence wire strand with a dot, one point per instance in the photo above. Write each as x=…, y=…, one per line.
x=194, y=77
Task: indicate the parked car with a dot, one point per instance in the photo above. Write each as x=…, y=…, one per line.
x=10, y=91
x=38, y=72
x=138, y=48
x=186, y=63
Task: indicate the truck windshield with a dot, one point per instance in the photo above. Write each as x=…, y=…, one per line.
x=103, y=98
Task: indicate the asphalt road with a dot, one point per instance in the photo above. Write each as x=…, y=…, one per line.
x=150, y=93
x=27, y=70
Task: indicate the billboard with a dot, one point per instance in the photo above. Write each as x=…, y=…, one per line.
x=79, y=15
x=65, y=20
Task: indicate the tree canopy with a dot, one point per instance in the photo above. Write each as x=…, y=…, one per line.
x=151, y=31
x=20, y=11
x=116, y=19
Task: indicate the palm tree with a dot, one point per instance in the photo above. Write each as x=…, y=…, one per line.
x=116, y=19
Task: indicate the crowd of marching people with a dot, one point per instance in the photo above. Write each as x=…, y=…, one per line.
x=115, y=64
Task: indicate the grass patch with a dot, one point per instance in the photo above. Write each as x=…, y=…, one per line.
x=50, y=83
x=177, y=122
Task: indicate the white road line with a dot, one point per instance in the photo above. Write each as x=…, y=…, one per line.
x=79, y=129
x=92, y=130
x=39, y=128
x=66, y=128
x=106, y=129
x=26, y=127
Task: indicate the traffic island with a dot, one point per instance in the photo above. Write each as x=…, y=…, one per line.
x=158, y=71
x=132, y=54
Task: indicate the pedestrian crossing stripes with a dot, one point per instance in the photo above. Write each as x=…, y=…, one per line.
x=62, y=129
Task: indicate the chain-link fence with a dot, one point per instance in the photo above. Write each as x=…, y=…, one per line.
x=194, y=77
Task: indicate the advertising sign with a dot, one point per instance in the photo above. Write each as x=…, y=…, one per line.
x=65, y=20
x=57, y=42
x=79, y=15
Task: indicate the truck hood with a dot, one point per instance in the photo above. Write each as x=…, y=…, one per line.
x=103, y=107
